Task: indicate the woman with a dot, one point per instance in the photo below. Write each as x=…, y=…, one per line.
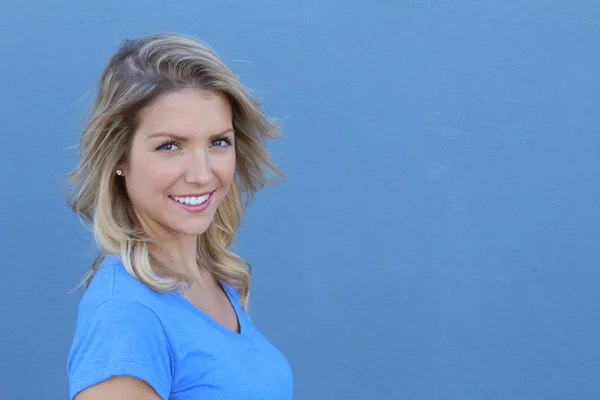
x=172, y=150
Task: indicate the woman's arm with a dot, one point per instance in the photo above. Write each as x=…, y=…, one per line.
x=119, y=388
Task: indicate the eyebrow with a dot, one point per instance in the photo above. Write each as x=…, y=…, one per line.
x=182, y=138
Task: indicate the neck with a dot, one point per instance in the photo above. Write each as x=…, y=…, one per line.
x=179, y=255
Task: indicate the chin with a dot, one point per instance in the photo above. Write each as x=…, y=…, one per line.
x=191, y=230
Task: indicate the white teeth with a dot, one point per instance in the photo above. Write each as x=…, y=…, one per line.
x=191, y=200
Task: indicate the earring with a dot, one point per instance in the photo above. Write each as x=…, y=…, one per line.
x=119, y=172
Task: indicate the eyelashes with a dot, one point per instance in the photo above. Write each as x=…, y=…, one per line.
x=168, y=143
x=168, y=146
x=224, y=139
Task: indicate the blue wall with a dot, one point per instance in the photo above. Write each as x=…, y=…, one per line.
x=439, y=236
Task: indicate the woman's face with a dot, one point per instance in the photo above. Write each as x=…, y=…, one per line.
x=181, y=162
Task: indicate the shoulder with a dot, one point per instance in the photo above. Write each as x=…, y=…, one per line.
x=116, y=307
x=121, y=337
x=117, y=302
x=113, y=287
x=119, y=333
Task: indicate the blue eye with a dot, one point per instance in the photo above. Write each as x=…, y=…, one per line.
x=222, y=142
x=167, y=146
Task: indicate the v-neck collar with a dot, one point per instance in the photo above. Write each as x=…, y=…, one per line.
x=239, y=313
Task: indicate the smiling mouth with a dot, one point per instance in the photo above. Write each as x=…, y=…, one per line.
x=191, y=200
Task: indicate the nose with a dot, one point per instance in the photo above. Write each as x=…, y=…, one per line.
x=198, y=168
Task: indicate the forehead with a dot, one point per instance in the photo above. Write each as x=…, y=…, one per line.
x=186, y=112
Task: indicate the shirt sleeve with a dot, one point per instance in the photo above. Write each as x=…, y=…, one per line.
x=120, y=338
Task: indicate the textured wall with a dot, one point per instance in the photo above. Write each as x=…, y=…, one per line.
x=438, y=236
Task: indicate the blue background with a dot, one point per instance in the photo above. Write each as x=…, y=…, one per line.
x=439, y=235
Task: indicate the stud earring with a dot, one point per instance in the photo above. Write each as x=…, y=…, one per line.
x=119, y=172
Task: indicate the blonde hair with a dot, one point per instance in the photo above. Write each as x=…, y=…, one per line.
x=136, y=74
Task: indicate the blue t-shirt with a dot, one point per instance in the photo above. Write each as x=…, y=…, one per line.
x=126, y=329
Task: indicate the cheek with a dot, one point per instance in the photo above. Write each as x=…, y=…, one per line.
x=149, y=177
x=158, y=177
x=228, y=172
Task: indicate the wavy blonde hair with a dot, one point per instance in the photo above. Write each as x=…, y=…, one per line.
x=135, y=75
